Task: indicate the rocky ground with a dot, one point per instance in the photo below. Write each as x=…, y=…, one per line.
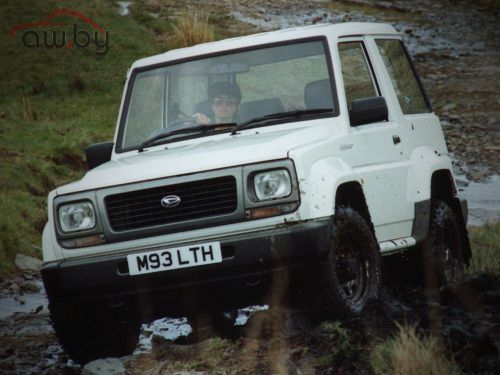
x=280, y=340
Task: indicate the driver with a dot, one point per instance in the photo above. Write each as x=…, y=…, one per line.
x=224, y=98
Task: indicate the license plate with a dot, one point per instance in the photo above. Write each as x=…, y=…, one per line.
x=174, y=258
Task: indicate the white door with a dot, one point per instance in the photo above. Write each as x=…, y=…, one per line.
x=378, y=154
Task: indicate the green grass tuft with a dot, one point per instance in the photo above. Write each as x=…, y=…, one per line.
x=485, y=243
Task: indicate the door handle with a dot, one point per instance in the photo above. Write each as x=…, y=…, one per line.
x=396, y=139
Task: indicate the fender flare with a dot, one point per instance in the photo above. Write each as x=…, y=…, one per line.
x=320, y=184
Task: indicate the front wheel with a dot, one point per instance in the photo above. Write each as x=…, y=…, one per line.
x=89, y=331
x=351, y=274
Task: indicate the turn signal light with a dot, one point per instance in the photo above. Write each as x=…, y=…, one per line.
x=93, y=240
x=260, y=213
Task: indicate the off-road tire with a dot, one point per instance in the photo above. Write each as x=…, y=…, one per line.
x=443, y=255
x=88, y=331
x=350, y=275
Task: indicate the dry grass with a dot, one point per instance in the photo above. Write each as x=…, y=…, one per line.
x=485, y=242
x=409, y=353
x=192, y=27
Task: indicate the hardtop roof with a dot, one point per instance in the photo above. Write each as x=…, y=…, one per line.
x=331, y=30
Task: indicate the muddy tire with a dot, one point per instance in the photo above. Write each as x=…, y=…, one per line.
x=443, y=255
x=350, y=276
x=88, y=332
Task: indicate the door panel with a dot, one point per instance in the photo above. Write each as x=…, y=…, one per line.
x=378, y=153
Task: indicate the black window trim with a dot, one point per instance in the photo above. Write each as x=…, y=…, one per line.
x=415, y=74
x=133, y=74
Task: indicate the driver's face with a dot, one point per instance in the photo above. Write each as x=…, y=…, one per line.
x=224, y=107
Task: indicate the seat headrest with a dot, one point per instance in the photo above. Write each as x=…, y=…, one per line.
x=318, y=94
x=262, y=107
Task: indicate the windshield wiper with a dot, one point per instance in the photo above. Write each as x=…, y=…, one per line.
x=165, y=133
x=269, y=119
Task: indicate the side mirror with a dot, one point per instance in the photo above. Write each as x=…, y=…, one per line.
x=98, y=153
x=368, y=110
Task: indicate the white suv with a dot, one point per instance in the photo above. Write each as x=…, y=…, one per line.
x=328, y=157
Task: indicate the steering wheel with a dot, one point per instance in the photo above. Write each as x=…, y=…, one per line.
x=181, y=123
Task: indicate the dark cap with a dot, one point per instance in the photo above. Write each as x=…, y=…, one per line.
x=225, y=88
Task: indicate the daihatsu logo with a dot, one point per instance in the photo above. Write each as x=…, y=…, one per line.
x=170, y=201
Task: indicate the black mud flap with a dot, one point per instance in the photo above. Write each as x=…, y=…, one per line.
x=460, y=208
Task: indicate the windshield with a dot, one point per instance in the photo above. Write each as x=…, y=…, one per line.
x=230, y=88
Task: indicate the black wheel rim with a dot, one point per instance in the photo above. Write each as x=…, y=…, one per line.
x=352, y=268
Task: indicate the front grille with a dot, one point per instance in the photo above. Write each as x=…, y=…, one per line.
x=199, y=199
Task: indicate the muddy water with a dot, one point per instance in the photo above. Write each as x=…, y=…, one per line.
x=483, y=198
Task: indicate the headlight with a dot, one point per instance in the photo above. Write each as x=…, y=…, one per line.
x=272, y=184
x=77, y=216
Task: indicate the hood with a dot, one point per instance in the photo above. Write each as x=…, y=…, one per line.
x=203, y=154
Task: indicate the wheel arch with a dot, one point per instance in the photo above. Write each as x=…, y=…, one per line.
x=443, y=185
x=443, y=188
x=351, y=194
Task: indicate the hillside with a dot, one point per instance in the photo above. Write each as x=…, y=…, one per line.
x=53, y=103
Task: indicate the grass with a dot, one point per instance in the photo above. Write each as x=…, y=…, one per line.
x=56, y=101
x=485, y=242
x=338, y=339
x=409, y=353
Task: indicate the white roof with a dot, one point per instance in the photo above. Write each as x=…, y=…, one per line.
x=330, y=30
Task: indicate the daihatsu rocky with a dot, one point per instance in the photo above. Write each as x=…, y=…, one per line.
x=333, y=158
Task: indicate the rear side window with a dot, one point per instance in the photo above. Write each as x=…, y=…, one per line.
x=410, y=95
x=358, y=79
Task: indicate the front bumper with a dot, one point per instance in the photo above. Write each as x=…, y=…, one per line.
x=243, y=277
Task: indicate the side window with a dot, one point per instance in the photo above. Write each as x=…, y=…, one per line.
x=358, y=79
x=410, y=95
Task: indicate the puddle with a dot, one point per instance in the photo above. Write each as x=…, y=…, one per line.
x=26, y=303
x=173, y=328
x=483, y=198
x=168, y=328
